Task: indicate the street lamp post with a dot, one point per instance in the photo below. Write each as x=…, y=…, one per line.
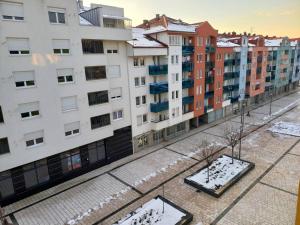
x=242, y=126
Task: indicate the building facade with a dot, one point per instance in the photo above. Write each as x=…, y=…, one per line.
x=63, y=92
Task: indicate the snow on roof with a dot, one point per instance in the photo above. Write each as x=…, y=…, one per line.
x=294, y=43
x=155, y=30
x=140, y=40
x=83, y=21
x=225, y=43
x=273, y=42
x=172, y=27
x=251, y=45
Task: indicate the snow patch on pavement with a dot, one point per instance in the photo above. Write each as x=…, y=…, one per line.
x=286, y=128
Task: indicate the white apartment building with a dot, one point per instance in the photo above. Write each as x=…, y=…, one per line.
x=63, y=92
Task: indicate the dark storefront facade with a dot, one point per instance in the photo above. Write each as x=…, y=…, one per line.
x=31, y=178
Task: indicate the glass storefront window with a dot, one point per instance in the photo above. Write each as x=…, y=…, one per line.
x=6, y=185
x=30, y=175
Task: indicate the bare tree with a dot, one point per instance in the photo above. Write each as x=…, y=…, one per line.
x=207, y=151
x=231, y=137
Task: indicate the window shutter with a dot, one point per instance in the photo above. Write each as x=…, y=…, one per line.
x=113, y=71
x=69, y=103
x=34, y=135
x=64, y=72
x=18, y=44
x=72, y=126
x=28, y=107
x=116, y=92
x=23, y=75
x=11, y=9
x=61, y=44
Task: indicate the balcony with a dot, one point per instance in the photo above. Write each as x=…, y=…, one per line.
x=158, y=70
x=209, y=94
x=187, y=67
x=210, y=65
x=269, y=68
x=249, y=60
x=159, y=107
x=158, y=88
x=187, y=100
x=187, y=49
x=230, y=88
x=210, y=49
x=270, y=58
x=209, y=79
x=207, y=108
x=187, y=83
x=229, y=62
x=258, y=70
x=231, y=75
x=268, y=79
x=259, y=59
x=248, y=72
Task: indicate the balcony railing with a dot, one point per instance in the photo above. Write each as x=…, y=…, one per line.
x=248, y=72
x=229, y=62
x=210, y=65
x=234, y=99
x=270, y=58
x=259, y=59
x=187, y=83
x=159, y=106
x=210, y=49
x=209, y=94
x=187, y=100
x=269, y=68
x=187, y=67
x=230, y=88
x=209, y=79
x=258, y=70
x=158, y=70
x=187, y=49
x=231, y=75
x=158, y=88
x=249, y=60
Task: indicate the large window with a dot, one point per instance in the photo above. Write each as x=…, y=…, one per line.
x=98, y=97
x=100, y=121
x=4, y=147
x=18, y=46
x=56, y=16
x=70, y=161
x=96, y=152
x=92, y=46
x=1, y=116
x=36, y=173
x=24, y=79
x=95, y=72
x=6, y=185
x=11, y=11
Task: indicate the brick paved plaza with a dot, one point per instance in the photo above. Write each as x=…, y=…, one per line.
x=267, y=195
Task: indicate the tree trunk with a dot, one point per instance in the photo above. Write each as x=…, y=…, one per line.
x=232, y=152
x=208, y=172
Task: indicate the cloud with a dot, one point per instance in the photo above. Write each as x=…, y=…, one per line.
x=287, y=12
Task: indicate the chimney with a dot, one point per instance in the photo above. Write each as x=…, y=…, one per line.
x=80, y=4
x=157, y=16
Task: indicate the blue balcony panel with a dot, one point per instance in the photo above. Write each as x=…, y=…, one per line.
x=158, y=88
x=187, y=49
x=187, y=100
x=187, y=83
x=187, y=67
x=159, y=107
x=158, y=70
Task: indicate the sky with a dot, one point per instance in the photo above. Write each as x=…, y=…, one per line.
x=266, y=17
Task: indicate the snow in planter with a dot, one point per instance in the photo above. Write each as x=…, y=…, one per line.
x=151, y=213
x=286, y=128
x=221, y=171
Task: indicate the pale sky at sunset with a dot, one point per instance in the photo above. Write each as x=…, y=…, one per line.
x=272, y=17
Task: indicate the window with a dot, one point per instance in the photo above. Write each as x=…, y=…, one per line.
x=136, y=81
x=137, y=101
x=34, y=138
x=18, y=46
x=141, y=119
x=177, y=94
x=11, y=11
x=197, y=90
x=98, y=97
x=117, y=115
x=70, y=161
x=29, y=110
x=174, y=40
x=144, y=99
x=95, y=72
x=64, y=76
x=219, y=56
x=6, y=184
x=172, y=59
x=218, y=85
x=142, y=141
x=4, y=147
x=116, y=93
x=173, y=94
x=138, y=61
x=143, y=81
x=61, y=46
x=72, y=129
x=199, y=58
x=113, y=71
x=100, y=121
x=177, y=59
x=199, y=74
x=35, y=173
x=69, y=103
x=90, y=46
x=1, y=116
x=96, y=152
x=24, y=79
x=200, y=41
x=56, y=16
